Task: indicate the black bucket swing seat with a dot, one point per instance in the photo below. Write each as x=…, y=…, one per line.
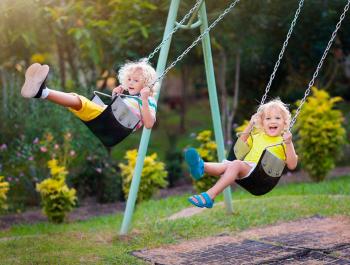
x=116, y=121
x=267, y=172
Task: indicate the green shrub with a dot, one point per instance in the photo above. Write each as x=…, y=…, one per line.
x=4, y=187
x=25, y=145
x=57, y=198
x=109, y=185
x=207, y=150
x=153, y=175
x=98, y=176
x=174, y=159
x=321, y=135
x=24, y=161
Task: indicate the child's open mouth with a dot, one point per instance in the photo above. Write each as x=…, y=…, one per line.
x=273, y=129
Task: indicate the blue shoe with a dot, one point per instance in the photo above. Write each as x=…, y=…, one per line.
x=195, y=163
x=208, y=203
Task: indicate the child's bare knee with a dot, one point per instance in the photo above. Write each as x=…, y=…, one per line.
x=75, y=95
x=235, y=163
x=76, y=103
x=226, y=162
x=238, y=164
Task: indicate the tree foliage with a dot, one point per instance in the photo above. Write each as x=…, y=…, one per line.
x=85, y=38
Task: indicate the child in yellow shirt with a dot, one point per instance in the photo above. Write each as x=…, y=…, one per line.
x=272, y=121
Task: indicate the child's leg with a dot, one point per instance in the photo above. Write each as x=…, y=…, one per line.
x=197, y=166
x=233, y=170
x=69, y=100
x=34, y=87
x=215, y=169
x=35, y=77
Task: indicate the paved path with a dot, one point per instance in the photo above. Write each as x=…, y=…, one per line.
x=315, y=240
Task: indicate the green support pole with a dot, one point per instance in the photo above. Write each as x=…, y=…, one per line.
x=213, y=98
x=163, y=55
x=130, y=205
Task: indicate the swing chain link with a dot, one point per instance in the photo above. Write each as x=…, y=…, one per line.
x=194, y=43
x=311, y=83
x=267, y=89
x=151, y=55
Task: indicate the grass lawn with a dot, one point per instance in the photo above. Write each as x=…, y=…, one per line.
x=96, y=241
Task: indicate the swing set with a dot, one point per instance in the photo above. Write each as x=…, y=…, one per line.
x=119, y=119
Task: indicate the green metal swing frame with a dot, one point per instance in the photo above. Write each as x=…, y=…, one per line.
x=213, y=99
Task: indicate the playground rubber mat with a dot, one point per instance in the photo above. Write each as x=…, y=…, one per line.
x=315, y=240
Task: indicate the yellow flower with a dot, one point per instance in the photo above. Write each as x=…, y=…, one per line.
x=49, y=137
x=204, y=136
x=4, y=187
x=56, y=170
x=242, y=127
x=211, y=145
x=38, y=58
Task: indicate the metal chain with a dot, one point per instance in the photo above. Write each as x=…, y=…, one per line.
x=151, y=55
x=311, y=83
x=267, y=89
x=194, y=43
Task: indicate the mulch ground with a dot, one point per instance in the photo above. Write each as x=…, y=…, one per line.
x=90, y=208
x=315, y=240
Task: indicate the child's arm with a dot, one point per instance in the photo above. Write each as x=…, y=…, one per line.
x=245, y=134
x=117, y=90
x=291, y=156
x=147, y=117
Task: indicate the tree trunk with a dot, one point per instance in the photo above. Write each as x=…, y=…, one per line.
x=61, y=62
x=332, y=75
x=228, y=112
x=235, y=98
x=185, y=83
x=61, y=51
x=70, y=58
x=221, y=81
x=4, y=92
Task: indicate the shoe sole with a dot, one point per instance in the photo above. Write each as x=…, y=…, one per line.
x=34, y=77
x=191, y=157
x=193, y=202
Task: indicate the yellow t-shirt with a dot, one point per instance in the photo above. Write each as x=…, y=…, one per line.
x=258, y=142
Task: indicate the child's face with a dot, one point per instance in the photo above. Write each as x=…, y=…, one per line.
x=135, y=82
x=273, y=121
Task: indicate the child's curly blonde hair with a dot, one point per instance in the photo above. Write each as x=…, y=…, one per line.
x=148, y=73
x=275, y=103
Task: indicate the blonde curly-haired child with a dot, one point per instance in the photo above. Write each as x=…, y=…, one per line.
x=137, y=78
x=272, y=121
